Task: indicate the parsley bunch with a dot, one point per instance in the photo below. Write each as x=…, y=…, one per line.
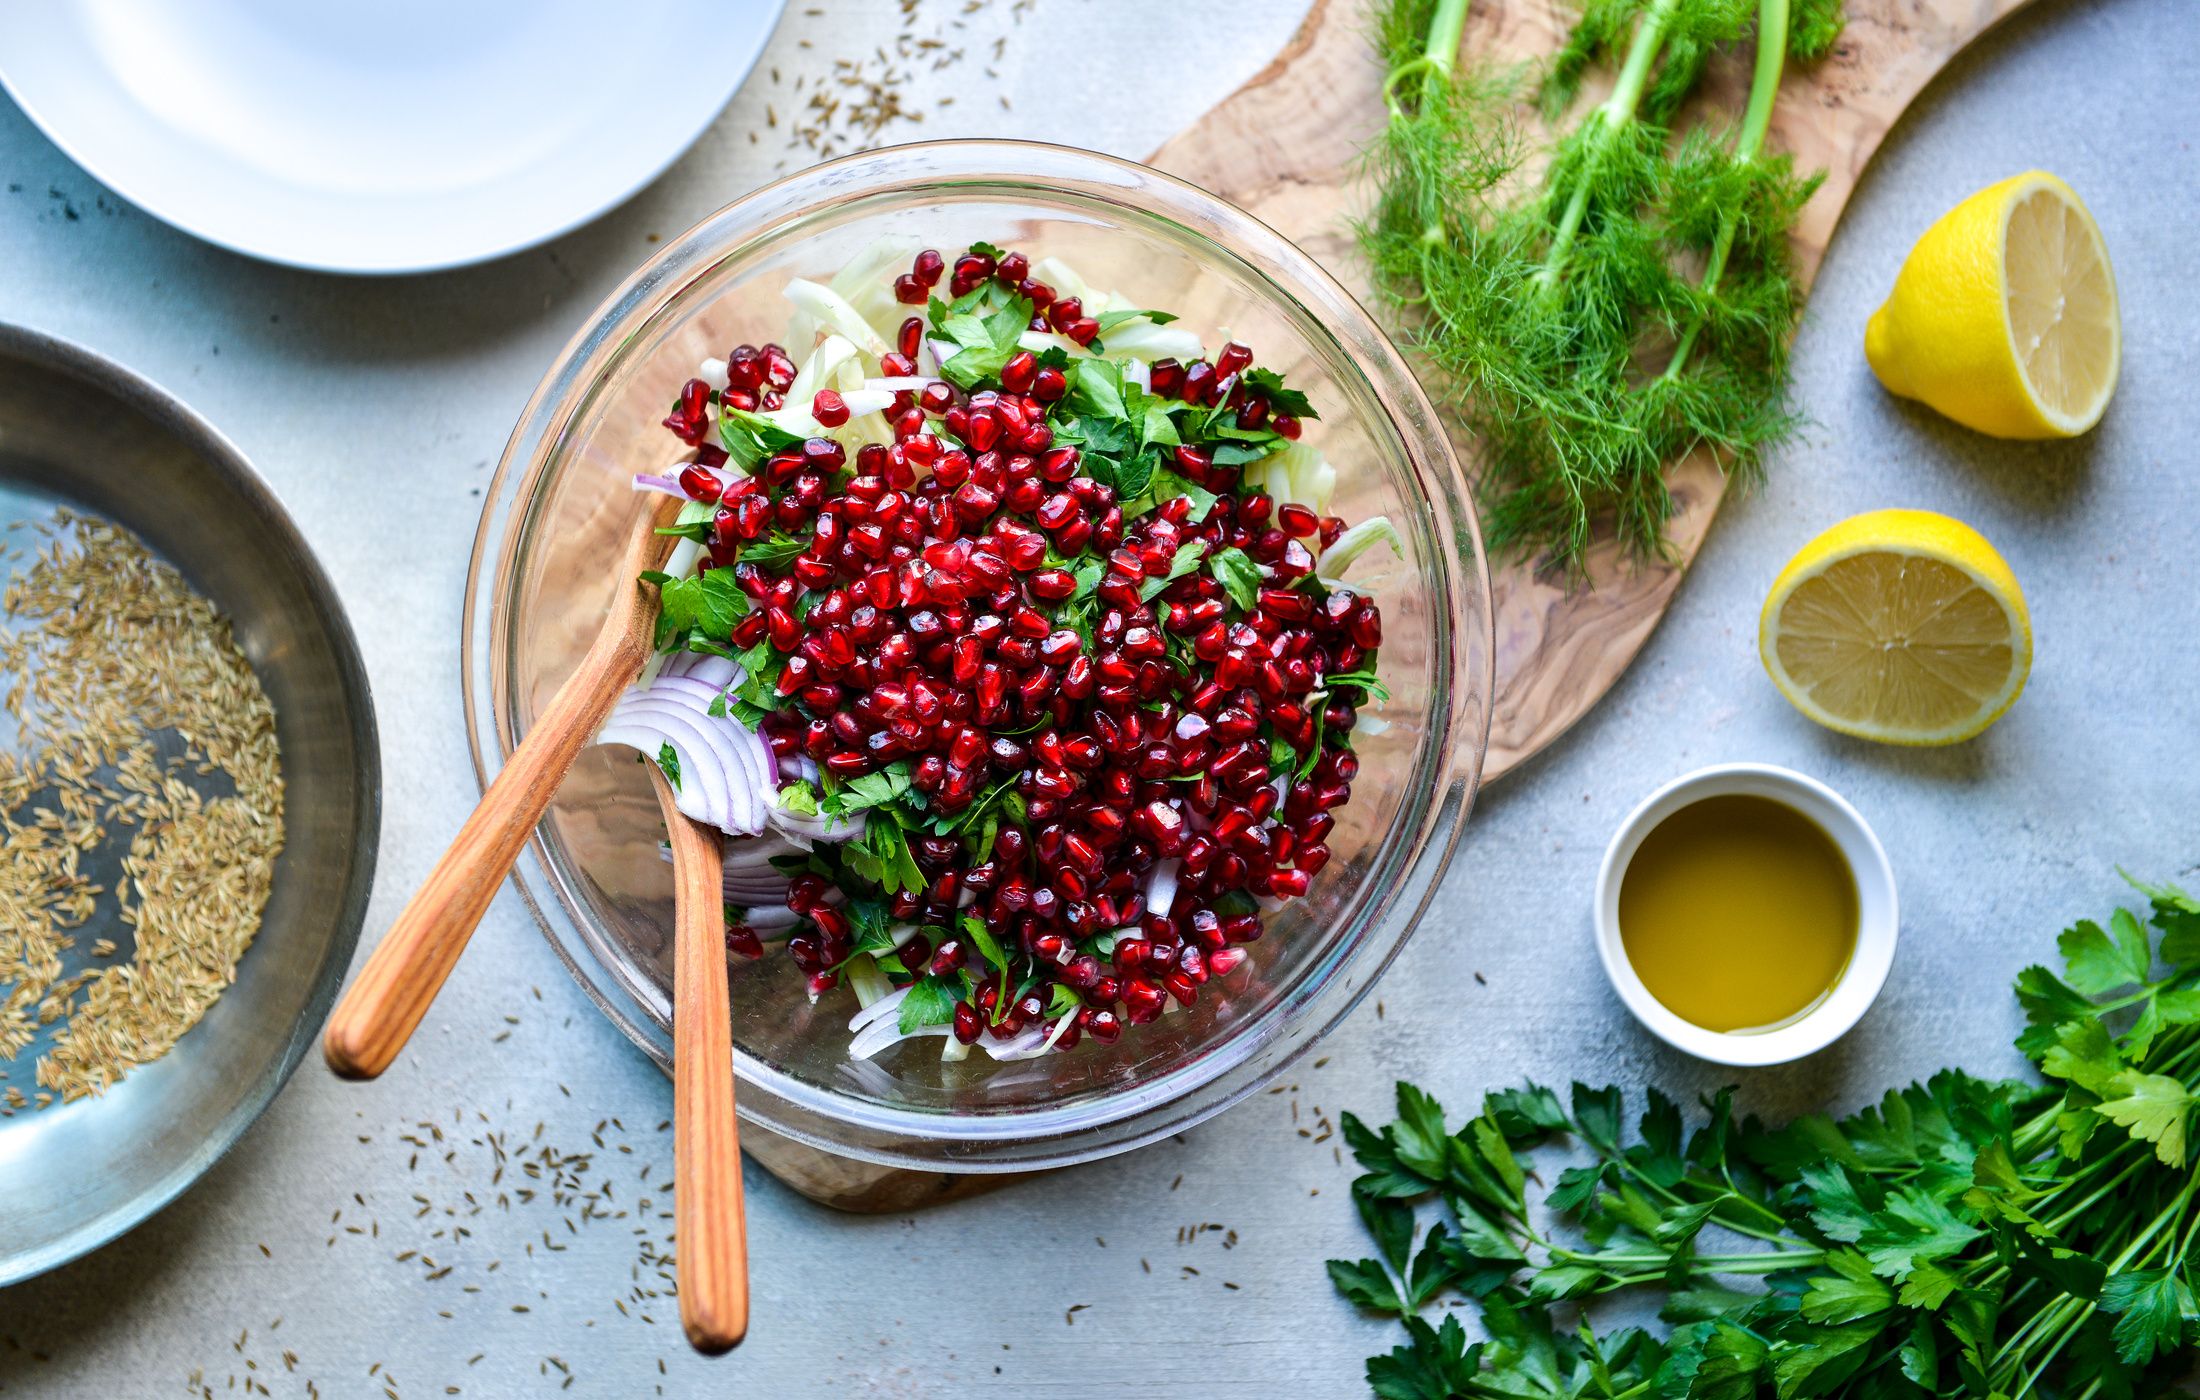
x=1963, y=1238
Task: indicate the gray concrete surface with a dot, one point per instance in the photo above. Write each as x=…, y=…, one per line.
x=377, y=409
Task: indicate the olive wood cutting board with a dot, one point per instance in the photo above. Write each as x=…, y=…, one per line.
x=1283, y=147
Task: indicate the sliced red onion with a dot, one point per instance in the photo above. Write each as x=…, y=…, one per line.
x=709, y=770
x=820, y=827
x=650, y=481
x=754, y=894
x=756, y=853
x=725, y=769
x=886, y=1007
x=1027, y=1044
x=887, y=1033
x=717, y=672
x=755, y=788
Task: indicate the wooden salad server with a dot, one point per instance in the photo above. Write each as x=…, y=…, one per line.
x=713, y=1257
x=392, y=992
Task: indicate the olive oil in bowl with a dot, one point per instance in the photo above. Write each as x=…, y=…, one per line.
x=1739, y=913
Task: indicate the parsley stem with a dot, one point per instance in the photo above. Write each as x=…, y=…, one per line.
x=1757, y=1262
x=2074, y=1212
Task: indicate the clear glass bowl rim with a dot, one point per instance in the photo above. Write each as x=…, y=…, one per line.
x=1460, y=698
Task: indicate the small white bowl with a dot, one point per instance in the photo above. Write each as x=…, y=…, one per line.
x=1876, y=932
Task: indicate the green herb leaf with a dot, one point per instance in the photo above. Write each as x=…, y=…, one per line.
x=1109, y=320
x=1366, y=1284
x=1239, y=576
x=2151, y=1307
x=1848, y=1293
x=1280, y=398
x=1097, y=390
x=889, y=784
x=2152, y=1108
x=931, y=1001
x=1437, y=1364
x=1167, y=485
x=1187, y=559
x=668, y=758
x=709, y=604
x=2100, y=963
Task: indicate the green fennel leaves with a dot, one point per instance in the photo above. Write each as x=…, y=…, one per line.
x=1606, y=306
x=1961, y=1238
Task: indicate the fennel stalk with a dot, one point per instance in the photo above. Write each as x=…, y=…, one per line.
x=1582, y=350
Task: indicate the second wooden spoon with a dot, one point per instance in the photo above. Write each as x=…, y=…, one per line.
x=706, y=1142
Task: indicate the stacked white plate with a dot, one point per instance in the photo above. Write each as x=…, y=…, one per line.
x=380, y=137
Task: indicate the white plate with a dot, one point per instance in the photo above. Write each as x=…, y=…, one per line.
x=378, y=135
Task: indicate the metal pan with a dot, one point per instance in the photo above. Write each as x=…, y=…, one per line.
x=78, y=428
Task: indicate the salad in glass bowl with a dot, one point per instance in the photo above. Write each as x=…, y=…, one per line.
x=1010, y=641
x=1118, y=238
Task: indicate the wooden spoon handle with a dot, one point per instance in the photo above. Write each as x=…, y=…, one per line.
x=706, y=1142
x=392, y=992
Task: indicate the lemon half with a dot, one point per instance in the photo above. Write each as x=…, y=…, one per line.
x=2004, y=316
x=1901, y=626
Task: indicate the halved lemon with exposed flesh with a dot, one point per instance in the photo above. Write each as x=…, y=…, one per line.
x=2004, y=316
x=1901, y=626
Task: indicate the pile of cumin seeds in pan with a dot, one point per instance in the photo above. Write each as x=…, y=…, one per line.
x=143, y=744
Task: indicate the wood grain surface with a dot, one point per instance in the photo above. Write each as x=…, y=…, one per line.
x=1283, y=147
x=707, y=1213
x=385, y=1002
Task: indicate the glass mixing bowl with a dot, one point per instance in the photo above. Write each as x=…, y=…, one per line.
x=560, y=502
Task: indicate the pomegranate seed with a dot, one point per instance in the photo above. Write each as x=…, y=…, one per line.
x=701, y=485
x=917, y=628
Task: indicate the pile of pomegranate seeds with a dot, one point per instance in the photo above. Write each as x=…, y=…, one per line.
x=1086, y=691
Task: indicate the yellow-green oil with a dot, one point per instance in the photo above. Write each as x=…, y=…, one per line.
x=1739, y=913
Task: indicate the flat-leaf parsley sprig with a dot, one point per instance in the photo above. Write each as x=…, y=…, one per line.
x=1963, y=1238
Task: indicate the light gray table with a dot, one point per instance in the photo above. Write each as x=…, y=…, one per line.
x=377, y=408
